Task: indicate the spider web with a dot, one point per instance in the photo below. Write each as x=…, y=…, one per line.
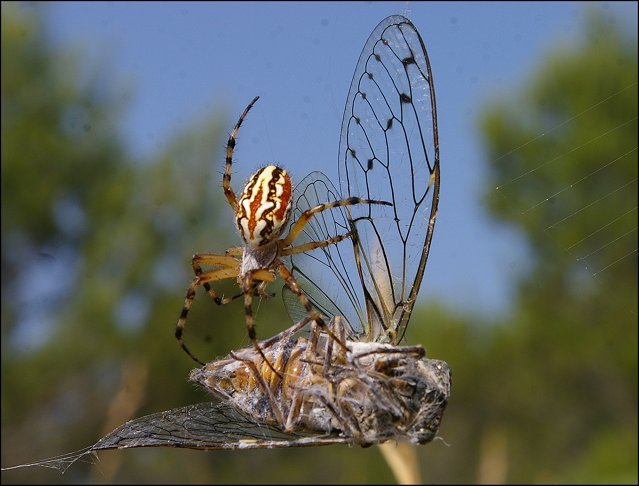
x=592, y=212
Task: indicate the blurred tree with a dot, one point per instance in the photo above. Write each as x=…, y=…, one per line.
x=95, y=248
x=552, y=392
x=576, y=329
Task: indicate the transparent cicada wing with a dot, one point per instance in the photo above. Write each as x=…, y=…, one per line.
x=328, y=274
x=205, y=426
x=210, y=425
x=389, y=151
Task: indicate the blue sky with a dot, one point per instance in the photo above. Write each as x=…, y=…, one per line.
x=182, y=62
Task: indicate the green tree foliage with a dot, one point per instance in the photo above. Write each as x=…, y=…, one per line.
x=550, y=393
x=577, y=308
x=122, y=233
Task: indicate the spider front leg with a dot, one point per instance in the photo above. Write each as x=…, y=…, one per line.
x=230, y=146
x=307, y=215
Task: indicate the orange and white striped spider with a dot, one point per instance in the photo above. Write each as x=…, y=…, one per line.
x=262, y=213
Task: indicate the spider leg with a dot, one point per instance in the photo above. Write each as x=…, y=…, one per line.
x=301, y=391
x=313, y=395
x=260, y=290
x=338, y=329
x=213, y=259
x=235, y=251
x=201, y=279
x=285, y=334
x=294, y=412
x=346, y=421
x=248, y=290
x=270, y=383
x=312, y=245
x=230, y=145
x=416, y=351
x=263, y=384
x=314, y=314
x=306, y=216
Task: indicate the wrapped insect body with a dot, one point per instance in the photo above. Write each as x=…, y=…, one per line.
x=368, y=393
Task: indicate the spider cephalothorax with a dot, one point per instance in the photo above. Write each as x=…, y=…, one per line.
x=262, y=213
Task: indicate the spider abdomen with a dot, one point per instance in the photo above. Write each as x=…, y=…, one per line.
x=265, y=206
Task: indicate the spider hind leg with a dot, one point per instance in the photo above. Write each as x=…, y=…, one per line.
x=230, y=269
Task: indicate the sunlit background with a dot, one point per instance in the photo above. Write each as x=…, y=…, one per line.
x=114, y=120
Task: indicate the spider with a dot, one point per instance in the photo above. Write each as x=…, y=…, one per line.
x=261, y=214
